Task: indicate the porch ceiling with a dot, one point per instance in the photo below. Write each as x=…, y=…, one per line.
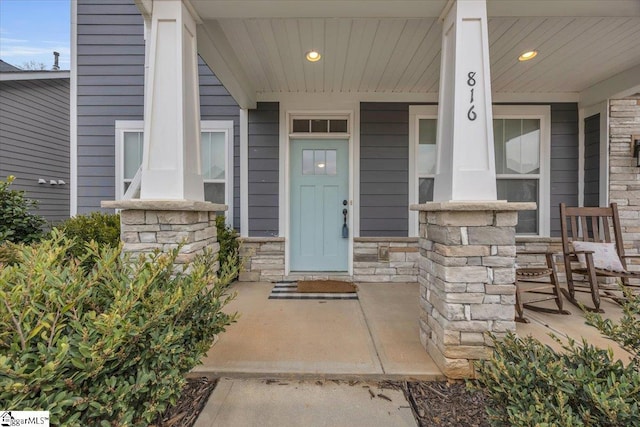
x=382, y=50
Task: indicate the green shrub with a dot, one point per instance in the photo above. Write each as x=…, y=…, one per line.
x=108, y=346
x=102, y=228
x=529, y=384
x=8, y=254
x=17, y=224
x=229, y=247
x=627, y=331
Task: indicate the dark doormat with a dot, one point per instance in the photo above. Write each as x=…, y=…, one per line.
x=326, y=286
x=285, y=290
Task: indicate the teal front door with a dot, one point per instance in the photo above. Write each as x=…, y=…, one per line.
x=319, y=198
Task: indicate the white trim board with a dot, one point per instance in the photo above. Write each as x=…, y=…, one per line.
x=244, y=172
x=73, y=113
x=411, y=97
x=34, y=75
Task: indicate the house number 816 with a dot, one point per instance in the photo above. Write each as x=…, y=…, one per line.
x=471, y=82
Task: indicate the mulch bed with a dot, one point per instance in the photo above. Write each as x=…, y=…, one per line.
x=446, y=404
x=195, y=394
x=433, y=403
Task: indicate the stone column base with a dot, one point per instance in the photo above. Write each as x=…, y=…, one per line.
x=467, y=276
x=150, y=225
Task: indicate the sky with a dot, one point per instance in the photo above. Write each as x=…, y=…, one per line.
x=31, y=30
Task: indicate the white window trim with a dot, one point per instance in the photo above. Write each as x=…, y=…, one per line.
x=416, y=112
x=540, y=112
x=226, y=126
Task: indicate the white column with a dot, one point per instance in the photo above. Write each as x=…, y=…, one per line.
x=466, y=163
x=171, y=159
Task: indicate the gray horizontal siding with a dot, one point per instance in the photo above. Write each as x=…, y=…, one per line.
x=106, y=92
x=592, y=161
x=264, y=169
x=34, y=141
x=111, y=87
x=564, y=160
x=384, y=169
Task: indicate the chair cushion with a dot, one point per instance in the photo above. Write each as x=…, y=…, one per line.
x=605, y=255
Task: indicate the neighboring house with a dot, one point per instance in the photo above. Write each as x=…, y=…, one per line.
x=34, y=136
x=361, y=122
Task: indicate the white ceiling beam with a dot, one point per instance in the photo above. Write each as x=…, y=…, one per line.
x=618, y=86
x=220, y=9
x=411, y=97
x=217, y=52
x=573, y=8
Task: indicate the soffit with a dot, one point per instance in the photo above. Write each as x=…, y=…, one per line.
x=402, y=55
x=381, y=46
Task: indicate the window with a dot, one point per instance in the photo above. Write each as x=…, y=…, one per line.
x=521, y=136
x=319, y=162
x=216, y=156
x=319, y=125
x=426, y=158
x=522, y=140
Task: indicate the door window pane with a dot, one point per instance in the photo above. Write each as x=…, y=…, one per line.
x=332, y=166
x=132, y=153
x=521, y=190
x=307, y=162
x=427, y=147
x=213, y=155
x=319, y=162
x=517, y=146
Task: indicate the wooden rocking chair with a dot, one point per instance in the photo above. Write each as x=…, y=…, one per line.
x=597, y=225
x=543, y=285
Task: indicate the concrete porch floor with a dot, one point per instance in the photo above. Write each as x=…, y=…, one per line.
x=373, y=338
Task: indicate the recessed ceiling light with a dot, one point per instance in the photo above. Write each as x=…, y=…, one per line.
x=530, y=54
x=313, y=56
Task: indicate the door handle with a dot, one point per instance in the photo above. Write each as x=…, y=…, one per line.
x=345, y=227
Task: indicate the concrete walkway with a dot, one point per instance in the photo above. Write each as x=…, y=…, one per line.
x=371, y=338
x=247, y=403
x=305, y=343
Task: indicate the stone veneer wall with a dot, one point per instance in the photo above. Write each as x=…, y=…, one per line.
x=144, y=231
x=467, y=275
x=262, y=259
x=539, y=244
x=380, y=259
x=624, y=175
x=376, y=259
